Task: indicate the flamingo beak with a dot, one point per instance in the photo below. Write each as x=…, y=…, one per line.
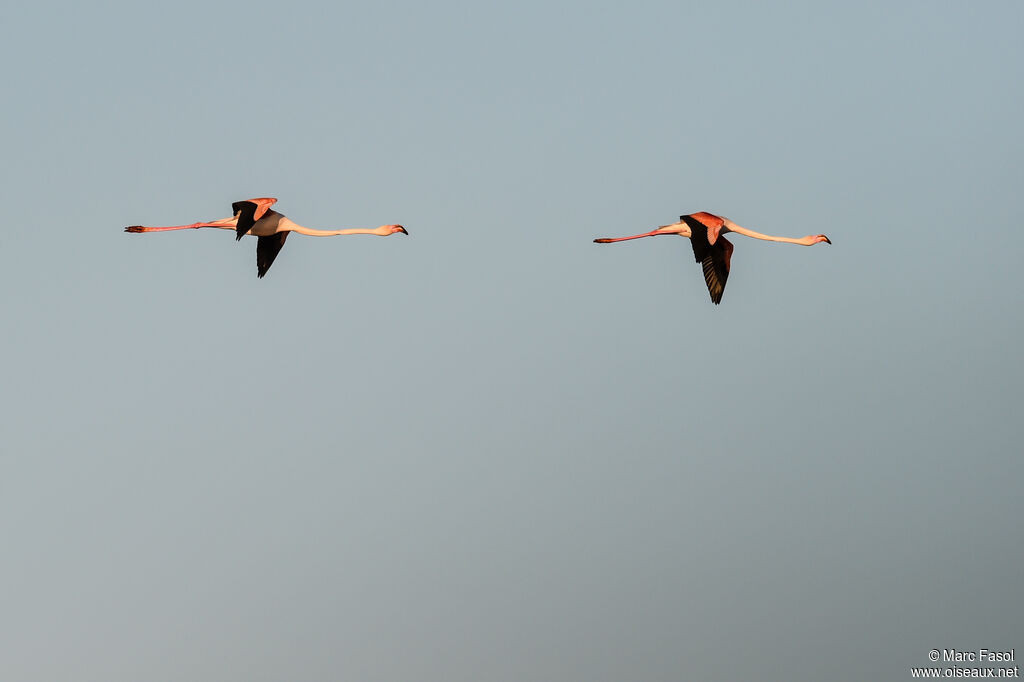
x=399, y=228
x=827, y=240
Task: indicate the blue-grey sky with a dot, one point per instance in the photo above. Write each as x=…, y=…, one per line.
x=493, y=450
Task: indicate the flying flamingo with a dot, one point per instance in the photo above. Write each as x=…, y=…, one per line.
x=711, y=248
x=255, y=217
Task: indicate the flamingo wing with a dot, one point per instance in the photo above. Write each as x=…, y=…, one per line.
x=267, y=249
x=715, y=257
x=248, y=212
x=716, y=268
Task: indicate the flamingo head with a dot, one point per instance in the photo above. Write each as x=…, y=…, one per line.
x=391, y=229
x=812, y=239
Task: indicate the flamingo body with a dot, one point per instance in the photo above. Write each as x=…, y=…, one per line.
x=249, y=212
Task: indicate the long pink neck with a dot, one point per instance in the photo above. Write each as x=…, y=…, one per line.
x=331, y=233
x=295, y=227
x=733, y=227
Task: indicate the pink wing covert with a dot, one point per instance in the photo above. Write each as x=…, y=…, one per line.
x=712, y=222
x=262, y=204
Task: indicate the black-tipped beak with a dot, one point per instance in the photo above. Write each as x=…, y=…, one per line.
x=402, y=230
x=827, y=240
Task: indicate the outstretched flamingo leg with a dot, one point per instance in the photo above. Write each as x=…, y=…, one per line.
x=224, y=223
x=609, y=240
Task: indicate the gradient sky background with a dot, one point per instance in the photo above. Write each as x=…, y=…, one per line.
x=494, y=450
